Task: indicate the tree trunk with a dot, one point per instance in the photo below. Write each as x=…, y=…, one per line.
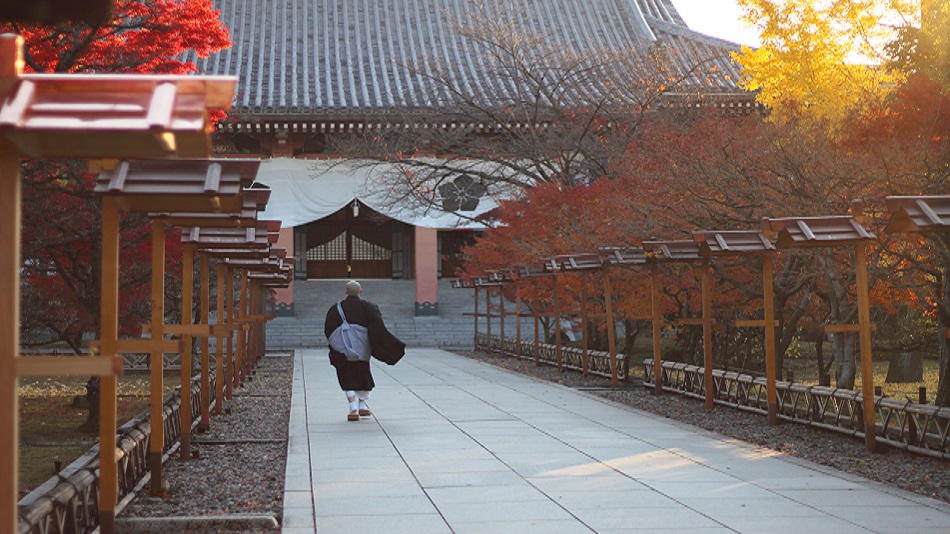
x=905, y=367
x=823, y=378
x=92, y=397
x=842, y=346
x=943, y=386
x=630, y=330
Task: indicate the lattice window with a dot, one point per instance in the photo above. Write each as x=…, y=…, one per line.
x=364, y=250
x=334, y=250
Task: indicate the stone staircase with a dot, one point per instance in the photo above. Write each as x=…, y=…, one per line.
x=396, y=300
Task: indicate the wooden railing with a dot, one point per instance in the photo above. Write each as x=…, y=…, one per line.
x=598, y=361
x=67, y=503
x=918, y=428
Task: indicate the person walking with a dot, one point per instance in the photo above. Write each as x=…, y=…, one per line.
x=354, y=375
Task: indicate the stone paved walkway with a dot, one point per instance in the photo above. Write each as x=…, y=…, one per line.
x=456, y=445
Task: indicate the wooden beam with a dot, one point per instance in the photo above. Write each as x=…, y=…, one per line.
x=488, y=318
x=518, y=327
x=9, y=311
x=611, y=331
x=537, y=341
x=476, y=316
x=240, y=354
x=229, y=322
x=501, y=320
x=156, y=443
x=867, y=369
x=187, y=304
x=220, y=374
x=143, y=345
x=193, y=330
x=204, y=312
x=771, y=392
x=557, y=324
x=655, y=306
x=584, y=312
x=753, y=323
x=708, y=383
x=842, y=328
x=689, y=321
x=68, y=366
x=108, y=348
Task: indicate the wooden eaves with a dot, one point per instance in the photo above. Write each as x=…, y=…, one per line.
x=920, y=214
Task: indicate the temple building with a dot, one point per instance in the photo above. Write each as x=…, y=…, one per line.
x=311, y=72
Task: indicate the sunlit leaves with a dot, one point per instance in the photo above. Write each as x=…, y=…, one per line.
x=820, y=59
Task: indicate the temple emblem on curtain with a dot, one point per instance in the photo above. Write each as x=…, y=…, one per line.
x=461, y=194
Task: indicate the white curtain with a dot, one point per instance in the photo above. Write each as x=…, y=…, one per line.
x=304, y=191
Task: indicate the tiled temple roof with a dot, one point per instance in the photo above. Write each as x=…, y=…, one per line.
x=346, y=59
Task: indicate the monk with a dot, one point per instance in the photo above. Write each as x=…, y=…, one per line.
x=355, y=376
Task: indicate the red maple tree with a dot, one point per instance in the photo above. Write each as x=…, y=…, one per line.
x=61, y=227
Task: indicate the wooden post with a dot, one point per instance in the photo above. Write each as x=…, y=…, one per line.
x=9, y=321
x=204, y=314
x=771, y=392
x=187, y=303
x=707, y=336
x=11, y=66
x=488, y=317
x=108, y=348
x=584, y=355
x=229, y=321
x=156, y=443
x=219, y=373
x=242, y=333
x=557, y=323
x=611, y=331
x=537, y=338
x=518, y=327
x=655, y=308
x=256, y=334
x=867, y=366
x=501, y=317
x=259, y=325
x=475, y=340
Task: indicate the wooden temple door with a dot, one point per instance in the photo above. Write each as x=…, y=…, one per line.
x=347, y=246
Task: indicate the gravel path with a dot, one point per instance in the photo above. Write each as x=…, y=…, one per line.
x=242, y=457
x=920, y=474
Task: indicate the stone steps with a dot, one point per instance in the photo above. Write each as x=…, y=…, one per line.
x=396, y=299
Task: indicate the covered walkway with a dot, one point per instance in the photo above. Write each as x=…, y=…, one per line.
x=460, y=446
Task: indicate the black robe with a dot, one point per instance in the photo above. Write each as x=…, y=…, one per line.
x=356, y=375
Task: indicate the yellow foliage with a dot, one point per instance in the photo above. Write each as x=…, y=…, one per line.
x=820, y=59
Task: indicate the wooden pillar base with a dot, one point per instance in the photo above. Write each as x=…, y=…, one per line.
x=185, y=444
x=772, y=417
x=158, y=486
x=106, y=522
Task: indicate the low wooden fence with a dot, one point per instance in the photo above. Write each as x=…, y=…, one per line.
x=598, y=361
x=67, y=503
x=918, y=428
